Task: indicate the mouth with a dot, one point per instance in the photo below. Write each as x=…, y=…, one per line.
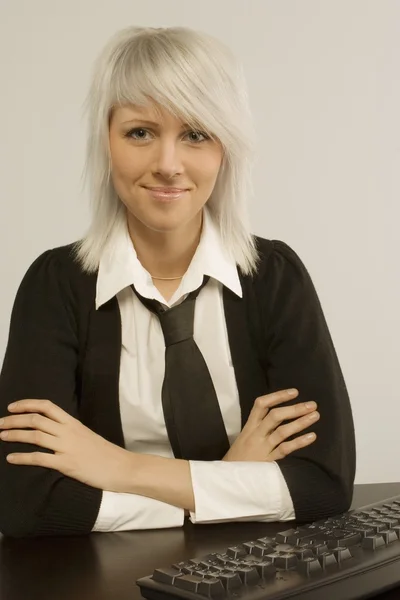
x=166, y=190
x=166, y=194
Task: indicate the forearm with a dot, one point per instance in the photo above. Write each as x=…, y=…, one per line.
x=224, y=491
x=165, y=479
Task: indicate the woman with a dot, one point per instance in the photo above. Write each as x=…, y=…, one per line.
x=170, y=362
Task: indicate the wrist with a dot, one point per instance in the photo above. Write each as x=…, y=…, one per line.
x=165, y=479
x=137, y=472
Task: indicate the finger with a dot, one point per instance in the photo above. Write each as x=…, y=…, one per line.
x=30, y=421
x=36, y=459
x=37, y=438
x=283, y=432
x=285, y=413
x=287, y=448
x=45, y=407
x=263, y=403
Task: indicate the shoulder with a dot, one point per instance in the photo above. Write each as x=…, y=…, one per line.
x=58, y=270
x=277, y=260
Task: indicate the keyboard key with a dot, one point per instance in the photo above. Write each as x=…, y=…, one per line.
x=343, y=538
x=393, y=515
x=362, y=529
x=389, y=536
x=196, y=562
x=269, y=541
x=206, y=573
x=318, y=548
x=179, y=566
x=283, y=536
x=326, y=559
x=222, y=559
x=261, y=550
x=211, y=588
x=286, y=561
x=248, y=575
x=377, y=526
x=366, y=513
x=300, y=535
x=302, y=552
x=341, y=554
x=266, y=569
x=389, y=522
x=211, y=558
x=249, y=546
x=167, y=575
x=372, y=542
x=190, y=570
x=229, y=580
x=236, y=551
x=188, y=582
x=233, y=563
x=214, y=568
x=309, y=566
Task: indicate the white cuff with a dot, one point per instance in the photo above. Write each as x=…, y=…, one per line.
x=239, y=491
x=121, y=512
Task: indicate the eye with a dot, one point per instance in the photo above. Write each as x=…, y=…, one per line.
x=138, y=133
x=205, y=136
x=131, y=132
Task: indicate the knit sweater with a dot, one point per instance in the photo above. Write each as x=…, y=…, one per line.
x=61, y=348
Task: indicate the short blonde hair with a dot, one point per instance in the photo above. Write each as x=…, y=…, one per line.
x=197, y=78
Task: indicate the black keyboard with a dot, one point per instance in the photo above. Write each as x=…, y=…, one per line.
x=353, y=555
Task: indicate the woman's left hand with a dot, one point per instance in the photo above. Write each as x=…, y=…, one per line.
x=78, y=451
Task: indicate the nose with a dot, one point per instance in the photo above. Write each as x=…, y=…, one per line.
x=168, y=159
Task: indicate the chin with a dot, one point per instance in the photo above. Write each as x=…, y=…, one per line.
x=162, y=223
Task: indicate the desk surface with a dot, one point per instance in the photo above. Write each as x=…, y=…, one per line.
x=105, y=566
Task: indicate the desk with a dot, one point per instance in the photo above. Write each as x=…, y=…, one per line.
x=105, y=566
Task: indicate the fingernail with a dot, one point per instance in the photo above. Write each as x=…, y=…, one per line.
x=13, y=405
x=1, y=421
x=313, y=416
x=310, y=436
x=310, y=404
x=4, y=435
x=292, y=392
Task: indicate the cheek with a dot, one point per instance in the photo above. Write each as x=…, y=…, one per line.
x=210, y=169
x=121, y=161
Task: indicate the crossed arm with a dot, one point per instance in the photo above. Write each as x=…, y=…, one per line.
x=77, y=452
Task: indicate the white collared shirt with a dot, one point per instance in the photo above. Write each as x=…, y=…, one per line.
x=223, y=490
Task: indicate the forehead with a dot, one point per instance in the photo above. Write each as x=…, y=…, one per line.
x=151, y=112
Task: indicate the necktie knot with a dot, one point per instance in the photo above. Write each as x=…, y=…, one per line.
x=177, y=322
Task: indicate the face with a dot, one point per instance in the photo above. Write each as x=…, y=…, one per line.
x=151, y=148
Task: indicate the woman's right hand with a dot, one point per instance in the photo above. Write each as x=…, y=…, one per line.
x=263, y=437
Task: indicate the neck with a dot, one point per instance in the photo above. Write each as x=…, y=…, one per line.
x=165, y=254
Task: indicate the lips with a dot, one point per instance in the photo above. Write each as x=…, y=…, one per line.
x=167, y=190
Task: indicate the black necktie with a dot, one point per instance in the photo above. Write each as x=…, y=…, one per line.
x=192, y=414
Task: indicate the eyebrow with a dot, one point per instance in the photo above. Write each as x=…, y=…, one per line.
x=145, y=122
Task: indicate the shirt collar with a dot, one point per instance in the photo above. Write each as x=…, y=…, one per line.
x=120, y=267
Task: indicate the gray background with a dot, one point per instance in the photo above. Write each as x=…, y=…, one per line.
x=324, y=85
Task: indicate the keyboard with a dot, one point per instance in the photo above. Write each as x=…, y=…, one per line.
x=353, y=555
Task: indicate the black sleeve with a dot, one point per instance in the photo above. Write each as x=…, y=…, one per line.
x=300, y=354
x=41, y=362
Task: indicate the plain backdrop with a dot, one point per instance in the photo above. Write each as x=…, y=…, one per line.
x=323, y=79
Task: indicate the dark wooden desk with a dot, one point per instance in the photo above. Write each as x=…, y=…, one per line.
x=105, y=566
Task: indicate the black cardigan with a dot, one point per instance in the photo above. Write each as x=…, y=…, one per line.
x=62, y=349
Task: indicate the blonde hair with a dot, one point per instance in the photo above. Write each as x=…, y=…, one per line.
x=197, y=78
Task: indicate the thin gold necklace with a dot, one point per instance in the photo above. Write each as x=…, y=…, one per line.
x=167, y=278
